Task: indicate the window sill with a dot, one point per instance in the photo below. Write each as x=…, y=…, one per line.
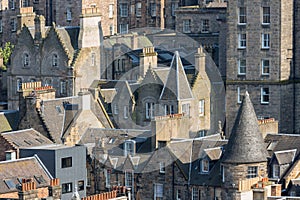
x=265, y=24
x=242, y=24
x=265, y=48
x=241, y=48
x=264, y=103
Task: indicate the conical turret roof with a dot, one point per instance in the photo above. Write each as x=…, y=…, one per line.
x=245, y=144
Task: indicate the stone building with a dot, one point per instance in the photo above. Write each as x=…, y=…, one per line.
x=67, y=58
x=259, y=60
x=62, y=13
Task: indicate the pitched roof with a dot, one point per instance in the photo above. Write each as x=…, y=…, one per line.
x=245, y=144
x=26, y=138
x=177, y=83
x=285, y=157
x=282, y=142
x=12, y=172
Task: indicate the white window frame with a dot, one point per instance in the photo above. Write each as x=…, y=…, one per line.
x=265, y=40
x=201, y=107
x=275, y=170
x=205, y=25
x=187, y=25
x=123, y=28
x=195, y=193
x=63, y=87
x=242, y=18
x=126, y=112
x=205, y=165
x=93, y=59
x=26, y=60
x=242, y=40
x=185, y=109
x=174, y=6
x=116, y=109
x=158, y=191
x=19, y=84
x=129, y=178
x=13, y=24
x=25, y=3
x=123, y=10
x=110, y=11
x=162, y=167
x=54, y=60
x=138, y=9
x=242, y=66
x=149, y=110
x=129, y=147
x=178, y=194
x=107, y=173
x=153, y=9
x=69, y=14
x=264, y=93
x=12, y=4
x=266, y=15
x=252, y=171
x=223, y=173
x=239, y=96
x=265, y=66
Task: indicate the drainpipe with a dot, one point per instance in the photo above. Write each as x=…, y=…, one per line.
x=173, y=181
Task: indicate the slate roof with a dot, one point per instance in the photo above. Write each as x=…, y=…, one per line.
x=12, y=172
x=245, y=144
x=177, y=83
x=8, y=120
x=26, y=138
x=282, y=142
x=142, y=41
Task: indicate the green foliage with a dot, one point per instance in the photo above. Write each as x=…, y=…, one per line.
x=5, y=53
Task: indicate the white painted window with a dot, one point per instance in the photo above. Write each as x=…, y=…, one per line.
x=276, y=171
x=265, y=40
x=265, y=66
x=54, y=60
x=19, y=84
x=186, y=25
x=110, y=10
x=195, y=194
x=116, y=109
x=252, y=172
x=128, y=179
x=129, y=147
x=123, y=28
x=205, y=26
x=69, y=14
x=153, y=9
x=149, y=106
x=239, y=95
x=201, y=107
x=186, y=109
x=25, y=3
x=138, y=11
x=123, y=9
x=242, y=40
x=63, y=87
x=223, y=173
x=266, y=15
x=205, y=165
x=162, y=167
x=26, y=60
x=107, y=173
x=158, y=191
x=265, y=95
x=126, y=111
x=242, y=15
x=241, y=66
x=178, y=194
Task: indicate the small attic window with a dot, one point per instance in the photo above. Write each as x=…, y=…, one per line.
x=54, y=60
x=40, y=140
x=10, y=183
x=40, y=179
x=28, y=142
x=205, y=165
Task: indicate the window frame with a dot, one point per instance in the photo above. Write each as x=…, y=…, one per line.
x=80, y=185
x=126, y=112
x=275, y=170
x=54, y=60
x=242, y=69
x=265, y=40
x=242, y=40
x=63, y=87
x=265, y=93
x=205, y=166
x=66, y=162
x=266, y=16
x=265, y=67
x=174, y=7
x=201, y=107
x=138, y=9
x=149, y=110
x=153, y=9
x=187, y=26
x=158, y=191
x=195, y=193
x=66, y=188
x=242, y=16
x=69, y=14
x=123, y=9
x=110, y=11
x=252, y=172
x=162, y=167
x=239, y=96
x=26, y=60
x=205, y=26
x=129, y=178
x=123, y=28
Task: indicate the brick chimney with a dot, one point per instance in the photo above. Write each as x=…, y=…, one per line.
x=28, y=190
x=54, y=189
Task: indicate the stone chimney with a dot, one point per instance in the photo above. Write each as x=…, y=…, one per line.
x=28, y=190
x=89, y=35
x=134, y=41
x=26, y=17
x=200, y=60
x=54, y=189
x=39, y=25
x=148, y=58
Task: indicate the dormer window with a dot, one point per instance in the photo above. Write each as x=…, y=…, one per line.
x=69, y=14
x=129, y=147
x=205, y=165
x=149, y=110
x=276, y=170
x=26, y=60
x=162, y=167
x=54, y=60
